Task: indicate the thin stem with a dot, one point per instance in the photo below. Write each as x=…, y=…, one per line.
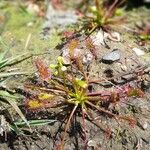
x=67, y=126
x=102, y=110
x=45, y=89
x=110, y=10
x=59, y=86
x=84, y=126
x=94, y=98
x=131, y=120
x=99, y=94
x=100, y=125
x=98, y=9
x=64, y=79
x=93, y=29
x=113, y=7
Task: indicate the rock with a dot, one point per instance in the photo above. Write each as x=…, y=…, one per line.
x=138, y=51
x=129, y=77
x=143, y=123
x=118, y=81
x=111, y=56
x=87, y=59
x=124, y=67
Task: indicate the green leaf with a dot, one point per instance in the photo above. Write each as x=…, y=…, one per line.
x=14, y=128
x=60, y=60
x=81, y=83
x=34, y=122
x=119, y=12
x=52, y=66
x=11, y=100
x=5, y=74
x=3, y=62
x=145, y=37
x=5, y=94
x=11, y=60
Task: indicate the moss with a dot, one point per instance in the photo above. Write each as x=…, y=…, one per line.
x=17, y=32
x=17, y=29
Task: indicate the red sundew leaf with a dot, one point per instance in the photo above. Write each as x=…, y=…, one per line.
x=43, y=70
x=115, y=97
x=36, y=105
x=73, y=44
x=89, y=43
x=43, y=100
x=91, y=47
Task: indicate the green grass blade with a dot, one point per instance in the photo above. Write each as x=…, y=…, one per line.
x=5, y=94
x=35, y=122
x=14, y=128
x=12, y=60
x=3, y=62
x=11, y=100
x=17, y=109
x=5, y=74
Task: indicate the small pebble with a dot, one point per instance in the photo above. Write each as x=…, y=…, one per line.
x=87, y=59
x=138, y=51
x=124, y=67
x=129, y=77
x=111, y=56
x=143, y=124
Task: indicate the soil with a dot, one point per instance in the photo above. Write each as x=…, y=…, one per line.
x=47, y=137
